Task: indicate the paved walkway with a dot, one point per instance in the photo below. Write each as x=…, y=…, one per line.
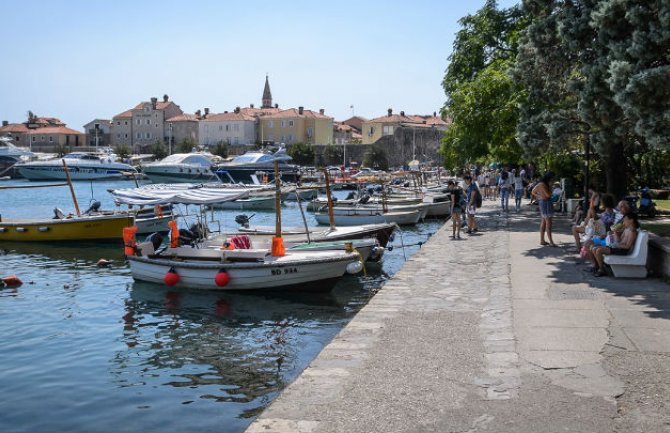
x=492, y=333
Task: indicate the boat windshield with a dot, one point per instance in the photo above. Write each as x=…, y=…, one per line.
x=185, y=158
x=80, y=155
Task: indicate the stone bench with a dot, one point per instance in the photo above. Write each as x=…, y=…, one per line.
x=634, y=264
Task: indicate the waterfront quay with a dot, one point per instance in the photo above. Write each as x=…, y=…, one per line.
x=492, y=333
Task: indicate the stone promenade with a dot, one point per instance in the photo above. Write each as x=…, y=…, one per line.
x=492, y=333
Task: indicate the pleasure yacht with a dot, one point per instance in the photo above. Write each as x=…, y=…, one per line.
x=182, y=167
x=254, y=165
x=81, y=165
x=10, y=155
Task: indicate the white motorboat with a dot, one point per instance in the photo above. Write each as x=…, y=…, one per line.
x=10, y=155
x=253, y=202
x=182, y=167
x=243, y=269
x=81, y=165
x=356, y=217
x=381, y=232
x=206, y=266
x=256, y=164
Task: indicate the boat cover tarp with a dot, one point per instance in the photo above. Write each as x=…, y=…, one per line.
x=183, y=193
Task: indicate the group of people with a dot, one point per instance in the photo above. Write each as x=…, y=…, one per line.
x=599, y=227
x=502, y=183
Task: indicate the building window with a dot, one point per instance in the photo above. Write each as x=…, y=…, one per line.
x=125, y=123
x=125, y=135
x=227, y=127
x=148, y=135
x=118, y=122
x=371, y=131
x=270, y=124
x=42, y=138
x=138, y=121
x=310, y=131
x=148, y=121
x=220, y=127
x=290, y=123
x=118, y=135
x=290, y=138
x=51, y=139
x=146, y=108
x=33, y=138
x=387, y=130
x=283, y=124
x=138, y=135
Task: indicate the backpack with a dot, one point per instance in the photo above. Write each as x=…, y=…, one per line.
x=478, y=198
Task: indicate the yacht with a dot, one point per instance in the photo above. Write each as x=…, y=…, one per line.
x=182, y=167
x=252, y=166
x=81, y=165
x=10, y=155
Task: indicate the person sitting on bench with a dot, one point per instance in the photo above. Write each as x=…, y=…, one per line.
x=625, y=244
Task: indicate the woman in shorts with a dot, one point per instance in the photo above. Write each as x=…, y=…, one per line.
x=542, y=192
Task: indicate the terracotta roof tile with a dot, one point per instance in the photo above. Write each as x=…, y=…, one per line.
x=160, y=105
x=183, y=118
x=293, y=113
x=54, y=130
x=128, y=114
x=230, y=117
x=14, y=128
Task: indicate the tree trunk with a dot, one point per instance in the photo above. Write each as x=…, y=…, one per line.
x=615, y=171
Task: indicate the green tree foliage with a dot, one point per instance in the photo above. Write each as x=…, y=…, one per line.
x=376, y=157
x=159, y=150
x=302, y=153
x=597, y=71
x=482, y=98
x=186, y=145
x=333, y=155
x=221, y=149
x=122, y=151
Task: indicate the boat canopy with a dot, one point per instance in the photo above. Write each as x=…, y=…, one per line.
x=176, y=193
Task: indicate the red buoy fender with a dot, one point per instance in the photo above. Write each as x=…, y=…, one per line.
x=222, y=278
x=171, y=277
x=12, y=281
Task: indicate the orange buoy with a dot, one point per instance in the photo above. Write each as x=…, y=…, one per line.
x=129, y=240
x=278, y=249
x=171, y=277
x=12, y=281
x=222, y=278
x=174, y=234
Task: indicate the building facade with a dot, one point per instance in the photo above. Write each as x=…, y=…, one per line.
x=236, y=128
x=140, y=127
x=44, y=134
x=98, y=132
x=296, y=126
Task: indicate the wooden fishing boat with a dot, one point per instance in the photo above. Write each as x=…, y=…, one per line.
x=359, y=217
x=71, y=228
x=244, y=269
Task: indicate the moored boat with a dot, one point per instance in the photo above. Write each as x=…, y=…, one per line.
x=103, y=228
x=355, y=217
x=81, y=166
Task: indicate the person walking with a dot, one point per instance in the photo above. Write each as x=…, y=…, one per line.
x=504, y=186
x=518, y=189
x=542, y=192
x=471, y=203
x=457, y=207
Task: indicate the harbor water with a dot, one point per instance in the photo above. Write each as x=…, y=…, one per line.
x=88, y=349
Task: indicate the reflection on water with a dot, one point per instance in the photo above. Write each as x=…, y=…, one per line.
x=86, y=348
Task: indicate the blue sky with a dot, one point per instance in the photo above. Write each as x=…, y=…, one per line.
x=80, y=59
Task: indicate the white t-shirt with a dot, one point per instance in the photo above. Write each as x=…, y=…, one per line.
x=518, y=182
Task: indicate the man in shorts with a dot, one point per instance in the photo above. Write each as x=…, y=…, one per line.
x=471, y=207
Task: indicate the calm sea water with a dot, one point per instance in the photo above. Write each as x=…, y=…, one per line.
x=87, y=349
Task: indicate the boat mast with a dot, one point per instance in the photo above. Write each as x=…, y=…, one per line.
x=331, y=218
x=69, y=183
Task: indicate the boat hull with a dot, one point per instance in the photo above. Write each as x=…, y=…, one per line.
x=244, y=174
x=86, y=228
x=76, y=173
x=176, y=177
x=252, y=203
x=275, y=273
x=353, y=219
x=381, y=232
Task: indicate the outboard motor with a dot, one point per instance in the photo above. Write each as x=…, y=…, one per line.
x=186, y=237
x=58, y=214
x=95, y=206
x=156, y=240
x=243, y=220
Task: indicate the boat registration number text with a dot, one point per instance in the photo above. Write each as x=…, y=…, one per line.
x=284, y=271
